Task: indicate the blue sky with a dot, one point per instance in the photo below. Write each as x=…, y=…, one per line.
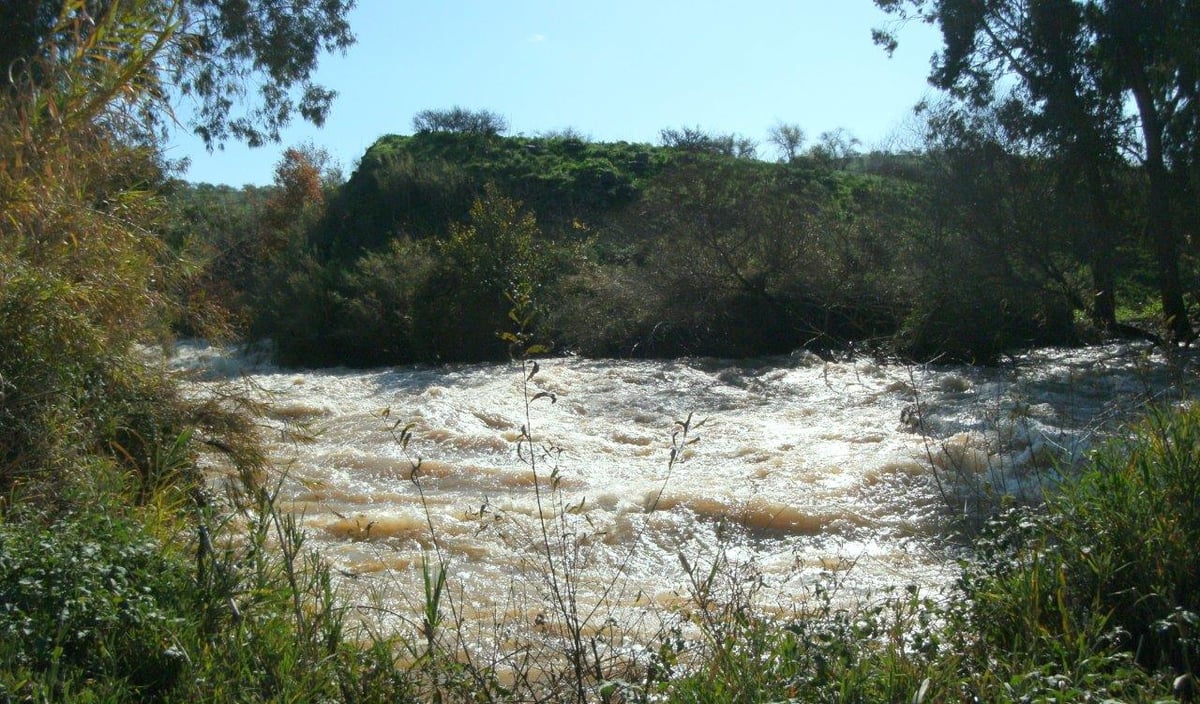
x=612, y=70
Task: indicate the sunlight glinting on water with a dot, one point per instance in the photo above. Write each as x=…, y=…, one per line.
x=801, y=468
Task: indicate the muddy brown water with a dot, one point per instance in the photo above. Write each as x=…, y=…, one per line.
x=802, y=470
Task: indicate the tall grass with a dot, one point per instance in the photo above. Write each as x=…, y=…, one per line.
x=1113, y=556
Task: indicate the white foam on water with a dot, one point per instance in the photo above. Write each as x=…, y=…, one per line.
x=801, y=467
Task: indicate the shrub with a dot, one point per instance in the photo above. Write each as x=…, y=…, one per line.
x=963, y=308
x=110, y=604
x=1112, y=564
x=463, y=304
x=72, y=391
x=90, y=596
x=605, y=311
x=377, y=301
x=298, y=308
x=1130, y=530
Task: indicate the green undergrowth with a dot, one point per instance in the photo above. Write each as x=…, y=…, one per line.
x=1089, y=597
x=108, y=600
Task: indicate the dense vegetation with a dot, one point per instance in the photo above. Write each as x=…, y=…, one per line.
x=129, y=573
x=1091, y=85
x=960, y=252
x=123, y=577
x=1020, y=219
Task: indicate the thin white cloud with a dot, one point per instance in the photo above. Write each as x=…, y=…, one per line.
x=537, y=38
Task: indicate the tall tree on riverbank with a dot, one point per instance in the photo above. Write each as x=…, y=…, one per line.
x=1066, y=71
x=83, y=273
x=247, y=65
x=1150, y=51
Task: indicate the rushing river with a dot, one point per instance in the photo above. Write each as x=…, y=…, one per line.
x=801, y=470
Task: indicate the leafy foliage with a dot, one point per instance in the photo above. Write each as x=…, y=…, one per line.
x=1081, y=78
x=1137, y=505
x=698, y=141
x=210, y=50
x=225, y=46
x=459, y=120
x=93, y=598
x=667, y=251
x=417, y=186
x=463, y=303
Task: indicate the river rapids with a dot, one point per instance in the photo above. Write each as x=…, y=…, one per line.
x=793, y=470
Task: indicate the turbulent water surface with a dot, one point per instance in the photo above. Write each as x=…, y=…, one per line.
x=801, y=470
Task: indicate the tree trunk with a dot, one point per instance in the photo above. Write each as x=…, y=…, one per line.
x=1101, y=260
x=1104, y=301
x=1160, y=227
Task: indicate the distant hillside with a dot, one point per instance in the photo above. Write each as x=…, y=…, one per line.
x=417, y=185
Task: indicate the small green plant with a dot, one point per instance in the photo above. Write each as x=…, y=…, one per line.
x=435, y=582
x=88, y=596
x=1123, y=537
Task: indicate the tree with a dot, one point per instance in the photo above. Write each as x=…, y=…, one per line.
x=1150, y=50
x=997, y=267
x=1073, y=68
x=835, y=147
x=696, y=140
x=83, y=274
x=483, y=263
x=302, y=176
x=728, y=240
x=24, y=23
x=566, y=134
x=216, y=52
x=296, y=202
x=460, y=120
x=788, y=139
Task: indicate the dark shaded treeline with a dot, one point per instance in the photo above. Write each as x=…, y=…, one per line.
x=1093, y=86
x=972, y=246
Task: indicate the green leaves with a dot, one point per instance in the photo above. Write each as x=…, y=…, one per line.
x=274, y=44
x=85, y=594
x=434, y=581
